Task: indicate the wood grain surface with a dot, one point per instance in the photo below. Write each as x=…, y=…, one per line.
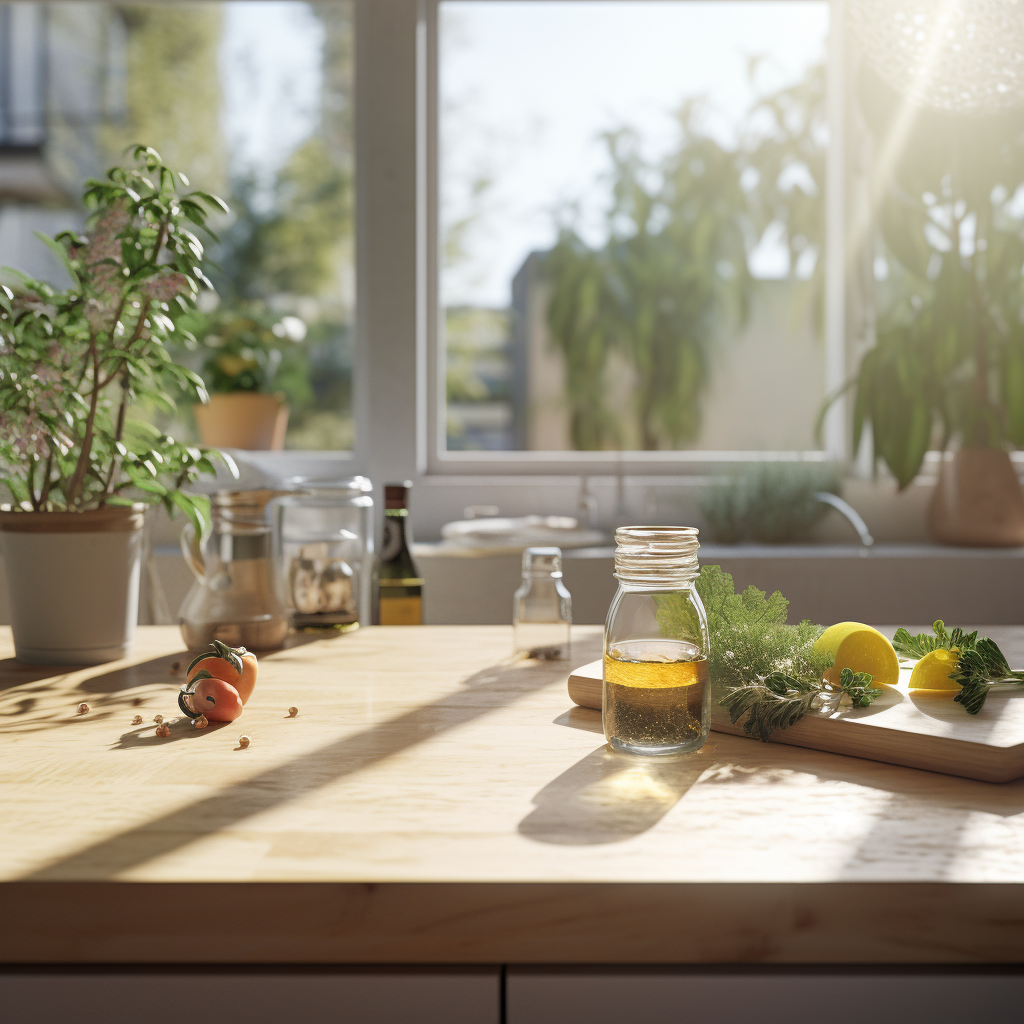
x=918, y=729
x=435, y=801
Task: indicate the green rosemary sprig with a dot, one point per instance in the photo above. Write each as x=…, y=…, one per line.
x=980, y=663
x=779, y=701
x=774, y=703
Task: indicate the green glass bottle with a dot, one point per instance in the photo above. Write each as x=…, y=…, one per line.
x=401, y=588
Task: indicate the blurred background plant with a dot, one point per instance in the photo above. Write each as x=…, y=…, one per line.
x=948, y=362
x=248, y=347
x=673, y=277
x=769, y=502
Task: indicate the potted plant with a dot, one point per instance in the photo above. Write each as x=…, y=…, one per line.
x=80, y=468
x=947, y=368
x=244, y=346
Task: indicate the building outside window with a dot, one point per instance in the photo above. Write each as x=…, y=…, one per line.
x=632, y=219
x=254, y=102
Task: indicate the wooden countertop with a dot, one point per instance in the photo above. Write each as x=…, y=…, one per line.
x=436, y=801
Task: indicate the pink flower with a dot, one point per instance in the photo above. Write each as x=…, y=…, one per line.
x=165, y=286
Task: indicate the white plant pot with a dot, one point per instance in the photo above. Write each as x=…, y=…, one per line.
x=73, y=583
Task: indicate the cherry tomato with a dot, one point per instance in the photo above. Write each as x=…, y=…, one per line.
x=218, y=662
x=217, y=699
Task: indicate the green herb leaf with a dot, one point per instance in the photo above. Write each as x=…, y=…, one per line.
x=857, y=686
x=775, y=703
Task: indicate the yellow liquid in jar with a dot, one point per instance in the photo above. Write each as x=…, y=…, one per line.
x=655, y=696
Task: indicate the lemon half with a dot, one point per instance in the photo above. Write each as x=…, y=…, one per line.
x=860, y=648
x=933, y=670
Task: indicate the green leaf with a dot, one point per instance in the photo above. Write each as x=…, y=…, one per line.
x=211, y=200
x=857, y=686
x=196, y=509
x=61, y=253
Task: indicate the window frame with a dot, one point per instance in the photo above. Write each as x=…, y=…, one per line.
x=432, y=457
x=398, y=380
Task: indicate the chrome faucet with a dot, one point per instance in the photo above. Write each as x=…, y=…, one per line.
x=849, y=513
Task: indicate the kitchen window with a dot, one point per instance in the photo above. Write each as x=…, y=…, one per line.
x=254, y=101
x=631, y=247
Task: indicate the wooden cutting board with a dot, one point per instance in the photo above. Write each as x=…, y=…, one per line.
x=919, y=730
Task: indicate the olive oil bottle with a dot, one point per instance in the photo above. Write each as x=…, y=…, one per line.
x=400, y=585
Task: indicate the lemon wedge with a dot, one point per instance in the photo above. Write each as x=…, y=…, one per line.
x=932, y=671
x=861, y=648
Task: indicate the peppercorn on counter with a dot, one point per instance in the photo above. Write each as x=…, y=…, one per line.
x=418, y=795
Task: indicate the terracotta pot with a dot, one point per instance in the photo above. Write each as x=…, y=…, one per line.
x=978, y=501
x=73, y=583
x=243, y=419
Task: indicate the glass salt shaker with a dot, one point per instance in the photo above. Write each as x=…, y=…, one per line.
x=656, y=691
x=542, y=607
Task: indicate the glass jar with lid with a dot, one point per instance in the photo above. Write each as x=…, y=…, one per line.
x=542, y=607
x=324, y=539
x=655, y=688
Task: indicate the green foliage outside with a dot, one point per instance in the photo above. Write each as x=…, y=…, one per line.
x=674, y=268
x=949, y=357
x=172, y=90
x=282, y=254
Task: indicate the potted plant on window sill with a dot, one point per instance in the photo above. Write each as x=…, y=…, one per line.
x=244, y=346
x=80, y=469
x=947, y=369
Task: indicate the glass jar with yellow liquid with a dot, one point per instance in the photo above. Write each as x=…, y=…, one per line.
x=655, y=693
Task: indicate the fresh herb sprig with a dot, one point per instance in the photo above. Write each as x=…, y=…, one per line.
x=924, y=643
x=780, y=700
x=762, y=667
x=980, y=663
x=773, y=703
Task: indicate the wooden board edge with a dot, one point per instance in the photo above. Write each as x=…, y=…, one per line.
x=915, y=750
x=984, y=764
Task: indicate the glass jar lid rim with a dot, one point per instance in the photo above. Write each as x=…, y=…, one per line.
x=657, y=533
x=651, y=556
x=359, y=484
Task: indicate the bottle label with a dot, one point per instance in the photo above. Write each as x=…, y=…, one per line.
x=401, y=611
x=391, y=543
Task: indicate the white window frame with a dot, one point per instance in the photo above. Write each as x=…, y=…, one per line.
x=431, y=456
x=398, y=384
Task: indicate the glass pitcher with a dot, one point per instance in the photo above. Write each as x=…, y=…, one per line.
x=236, y=596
